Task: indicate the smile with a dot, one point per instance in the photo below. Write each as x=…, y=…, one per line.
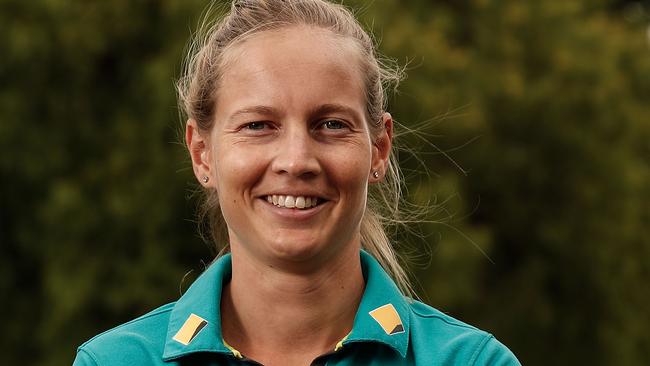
x=287, y=201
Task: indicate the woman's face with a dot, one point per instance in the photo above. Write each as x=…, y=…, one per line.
x=290, y=125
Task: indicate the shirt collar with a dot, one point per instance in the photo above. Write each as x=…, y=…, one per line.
x=195, y=321
x=202, y=301
x=383, y=314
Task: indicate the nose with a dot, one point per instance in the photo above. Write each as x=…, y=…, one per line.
x=296, y=154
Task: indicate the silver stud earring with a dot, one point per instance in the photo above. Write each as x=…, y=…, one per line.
x=375, y=174
x=205, y=179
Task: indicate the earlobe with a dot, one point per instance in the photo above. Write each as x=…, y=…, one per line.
x=382, y=149
x=198, y=147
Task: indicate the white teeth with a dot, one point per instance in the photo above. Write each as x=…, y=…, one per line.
x=300, y=202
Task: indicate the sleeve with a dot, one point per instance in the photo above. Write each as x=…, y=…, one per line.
x=84, y=358
x=495, y=353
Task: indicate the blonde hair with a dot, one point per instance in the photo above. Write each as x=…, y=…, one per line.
x=199, y=83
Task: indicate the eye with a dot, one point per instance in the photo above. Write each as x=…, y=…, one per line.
x=333, y=124
x=257, y=126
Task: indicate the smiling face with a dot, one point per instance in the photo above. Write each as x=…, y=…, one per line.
x=290, y=153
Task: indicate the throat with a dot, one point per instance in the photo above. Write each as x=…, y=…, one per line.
x=266, y=314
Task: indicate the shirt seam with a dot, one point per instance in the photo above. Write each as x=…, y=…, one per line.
x=455, y=324
x=90, y=354
x=480, y=348
x=142, y=317
x=183, y=353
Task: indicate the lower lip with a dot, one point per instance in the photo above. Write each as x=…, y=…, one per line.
x=294, y=214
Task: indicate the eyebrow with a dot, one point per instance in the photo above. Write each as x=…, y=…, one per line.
x=258, y=109
x=317, y=111
x=334, y=108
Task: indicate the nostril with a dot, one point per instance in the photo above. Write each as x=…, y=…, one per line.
x=296, y=162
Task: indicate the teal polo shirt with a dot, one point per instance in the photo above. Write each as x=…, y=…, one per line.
x=388, y=329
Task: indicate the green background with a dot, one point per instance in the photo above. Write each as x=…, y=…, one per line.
x=533, y=122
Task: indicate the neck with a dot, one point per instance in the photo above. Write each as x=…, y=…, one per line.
x=282, y=317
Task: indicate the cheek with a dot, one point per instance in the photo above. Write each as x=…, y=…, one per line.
x=350, y=170
x=236, y=171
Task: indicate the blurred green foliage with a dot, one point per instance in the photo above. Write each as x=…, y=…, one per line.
x=541, y=159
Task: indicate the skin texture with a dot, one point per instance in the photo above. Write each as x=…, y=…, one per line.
x=290, y=119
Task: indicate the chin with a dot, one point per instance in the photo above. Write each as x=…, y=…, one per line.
x=295, y=250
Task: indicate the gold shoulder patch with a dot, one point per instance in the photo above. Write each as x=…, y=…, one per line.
x=388, y=318
x=190, y=329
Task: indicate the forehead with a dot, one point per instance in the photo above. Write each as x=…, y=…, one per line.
x=290, y=62
x=296, y=44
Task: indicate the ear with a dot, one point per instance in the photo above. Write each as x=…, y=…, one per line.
x=199, y=148
x=381, y=149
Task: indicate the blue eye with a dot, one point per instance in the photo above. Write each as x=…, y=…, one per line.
x=256, y=125
x=333, y=124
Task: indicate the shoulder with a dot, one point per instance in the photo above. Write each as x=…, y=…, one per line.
x=138, y=342
x=449, y=341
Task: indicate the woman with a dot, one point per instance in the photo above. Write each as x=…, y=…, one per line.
x=287, y=132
